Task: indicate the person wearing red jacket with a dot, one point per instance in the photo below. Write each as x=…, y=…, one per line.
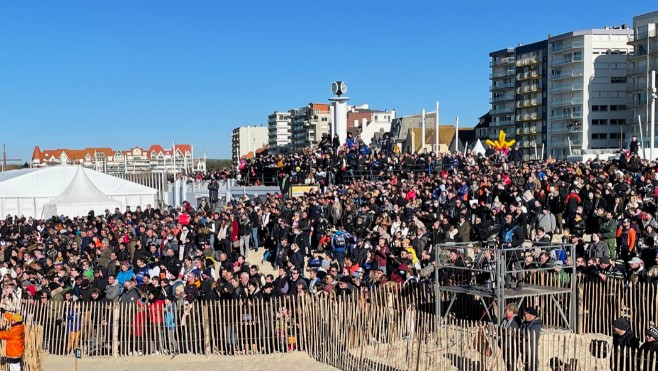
x=15, y=338
x=571, y=201
x=235, y=232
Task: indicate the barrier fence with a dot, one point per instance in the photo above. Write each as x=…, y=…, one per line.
x=387, y=329
x=33, y=356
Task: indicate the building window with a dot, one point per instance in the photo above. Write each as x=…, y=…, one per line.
x=599, y=122
x=617, y=108
x=617, y=121
x=618, y=79
x=616, y=135
x=599, y=108
x=600, y=136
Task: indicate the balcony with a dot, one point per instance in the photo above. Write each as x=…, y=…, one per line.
x=571, y=87
x=528, y=116
x=567, y=102
x=567, y=116
x=507, y=85
x=502, y=98
x=527, y=103
x=523, y=131
x=564, y=129
x=527, y=75
x=527, y=61
x=565, y=143
x=563, y=61
x=641, y=37
x=567, y=74
x=501, y=74
x=499, y=123
x=638, y=70
x=502, y=110
x=527, y=89
x=566, y=46
x=502, y=61
x=631, y=87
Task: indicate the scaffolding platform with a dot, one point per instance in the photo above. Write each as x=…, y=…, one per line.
x=527, y=290
x=478, y=259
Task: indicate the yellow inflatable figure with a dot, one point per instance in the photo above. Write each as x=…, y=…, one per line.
x=501, y=144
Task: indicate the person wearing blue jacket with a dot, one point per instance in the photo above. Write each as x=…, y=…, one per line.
x=339, y=246
x=126, y=274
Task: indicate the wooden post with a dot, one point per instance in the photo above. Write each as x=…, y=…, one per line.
x=115, y=330
x=581, y=312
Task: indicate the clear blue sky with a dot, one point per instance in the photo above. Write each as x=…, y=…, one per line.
x=121, y=73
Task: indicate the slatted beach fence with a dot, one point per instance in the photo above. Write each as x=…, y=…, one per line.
x=389, y=328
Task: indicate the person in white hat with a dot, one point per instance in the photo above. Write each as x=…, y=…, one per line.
x=637, y=267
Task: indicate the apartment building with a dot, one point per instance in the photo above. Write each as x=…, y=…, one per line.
x=279, y=132
x=640, y=63
x=369, y=124
x=308, y=124
x=503, y=75
x=530, y=98
x=518, y=96
x=587, y=100
x=247, y=139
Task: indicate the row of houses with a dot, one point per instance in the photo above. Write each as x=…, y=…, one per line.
x=179, y=158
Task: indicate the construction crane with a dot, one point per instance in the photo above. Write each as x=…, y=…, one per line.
x=5, y=159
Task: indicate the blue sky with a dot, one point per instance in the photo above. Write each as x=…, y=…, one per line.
x=77, y=74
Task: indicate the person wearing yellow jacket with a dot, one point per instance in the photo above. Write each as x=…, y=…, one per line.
x=15, y=338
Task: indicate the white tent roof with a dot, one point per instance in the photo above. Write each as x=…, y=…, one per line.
x=26, y=191
x=478, y=148
x=80, y=196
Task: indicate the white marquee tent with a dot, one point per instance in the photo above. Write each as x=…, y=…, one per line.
x=27, y=191
x=478, y=148
x=79, y=197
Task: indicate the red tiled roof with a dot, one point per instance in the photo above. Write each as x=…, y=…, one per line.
x=37, y=153
x=80, y=154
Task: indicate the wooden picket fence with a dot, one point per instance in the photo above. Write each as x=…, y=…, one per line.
x=34, y=354
x=387, y=329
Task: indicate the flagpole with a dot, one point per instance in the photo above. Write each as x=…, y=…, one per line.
x=457, y=135
x=436, y=129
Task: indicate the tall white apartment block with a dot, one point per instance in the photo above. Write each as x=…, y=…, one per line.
x=588, y=106
x=643, y=60
x=279, y=131
x=247, y=139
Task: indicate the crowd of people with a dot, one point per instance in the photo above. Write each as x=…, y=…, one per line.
x=376, y=218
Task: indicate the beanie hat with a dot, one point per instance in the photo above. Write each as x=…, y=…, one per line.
x=532, y=311
x=653, y=332
x=621, y=323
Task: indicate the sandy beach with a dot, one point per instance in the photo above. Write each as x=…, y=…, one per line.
x=270, y=362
